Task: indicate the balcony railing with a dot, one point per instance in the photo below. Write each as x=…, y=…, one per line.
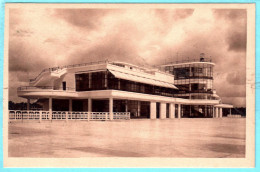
x=194, y=60
x=19, y=115
x=24, y=88
x=68, y=66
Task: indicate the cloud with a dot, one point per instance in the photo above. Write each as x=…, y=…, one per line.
x=88, y=18
x=237, y=41
x=25, y=57
x=236, y=78
x=235, y=21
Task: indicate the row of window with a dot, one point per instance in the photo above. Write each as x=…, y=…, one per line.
x=105, y=80
x=196, y=96
x=194, y=88
x=190, y=72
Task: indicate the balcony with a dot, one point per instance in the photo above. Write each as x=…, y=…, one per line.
x=59, y=68
x=30, y=88
x=45, y=91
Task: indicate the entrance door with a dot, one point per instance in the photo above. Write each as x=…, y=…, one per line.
x=64, y=85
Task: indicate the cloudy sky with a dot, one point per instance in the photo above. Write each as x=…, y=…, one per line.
x=43, y=38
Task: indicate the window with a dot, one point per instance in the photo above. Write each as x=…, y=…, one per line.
x=91, y=81
x=182, y=72
x=82, y=82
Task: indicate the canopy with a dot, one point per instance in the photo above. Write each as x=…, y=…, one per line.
x=140, y=79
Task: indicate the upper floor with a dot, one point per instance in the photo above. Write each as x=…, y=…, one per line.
x=194, y=83
x=201, y=68
x=105, y=75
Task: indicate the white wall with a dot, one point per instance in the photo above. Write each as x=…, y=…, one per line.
x=70, y=80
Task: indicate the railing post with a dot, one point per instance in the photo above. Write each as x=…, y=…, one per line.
x=106, y=116
x=15, y=115
x=40, y=117
x=89, y=116
x=66, y=116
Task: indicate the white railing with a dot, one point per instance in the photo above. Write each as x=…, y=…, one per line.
x=121, y=115
x=15, y=115
x=234, y=116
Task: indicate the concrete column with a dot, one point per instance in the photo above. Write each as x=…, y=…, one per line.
x=220, y=112
x=70, y=105
x=28, y=104
x=89, y=105
x=179, y=110
x=152, y=110
x=162, y=110
x=50, y=108
x=230, y=112
x=172, y=111
x=111, y=108
x=216, y=114
x=89, y=108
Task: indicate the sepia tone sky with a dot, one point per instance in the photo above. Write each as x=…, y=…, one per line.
x=43, y=38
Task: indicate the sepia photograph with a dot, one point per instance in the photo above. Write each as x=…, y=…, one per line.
x=135, y=84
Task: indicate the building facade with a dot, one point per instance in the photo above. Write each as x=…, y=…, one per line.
x=174, y=91
x=194, y=79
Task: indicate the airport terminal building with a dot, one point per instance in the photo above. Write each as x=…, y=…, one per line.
x=179, y=90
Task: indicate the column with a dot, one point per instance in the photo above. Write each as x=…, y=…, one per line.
x=152, y=110
x=162, y=110
x=179, y=110
x=70, y=105
x=172, y=111
x=111, y=108
x=216, y=114
x=220, y=112
x=28, y=104
x=89, y=108
x=230, y=112
x=50, y=108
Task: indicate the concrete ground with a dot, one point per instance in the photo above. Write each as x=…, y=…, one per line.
x=131, y=138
